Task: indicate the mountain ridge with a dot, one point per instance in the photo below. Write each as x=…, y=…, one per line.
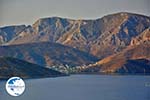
x=112, y=32
x=120, y=37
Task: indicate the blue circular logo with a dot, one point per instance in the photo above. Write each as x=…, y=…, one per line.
x=15, y=86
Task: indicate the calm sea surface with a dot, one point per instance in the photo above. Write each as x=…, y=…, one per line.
x=84, y=87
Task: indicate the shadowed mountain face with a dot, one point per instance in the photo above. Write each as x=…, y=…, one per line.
x=9, y=32
x=10, y=67
x=47, y=53
x=138, y=66
x=117, y=40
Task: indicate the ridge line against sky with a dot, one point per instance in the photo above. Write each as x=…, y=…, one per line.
x=17, y=12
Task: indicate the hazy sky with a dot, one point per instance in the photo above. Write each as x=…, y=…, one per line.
x=28, y=11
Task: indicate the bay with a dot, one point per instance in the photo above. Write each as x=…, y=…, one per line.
x=84, y=87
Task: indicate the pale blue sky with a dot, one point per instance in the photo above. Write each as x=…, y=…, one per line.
x=28, y=11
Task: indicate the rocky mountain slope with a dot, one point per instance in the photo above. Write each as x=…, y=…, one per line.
x=10, y=67
x=101, y=37
x=47, y=54
x=133, y=59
